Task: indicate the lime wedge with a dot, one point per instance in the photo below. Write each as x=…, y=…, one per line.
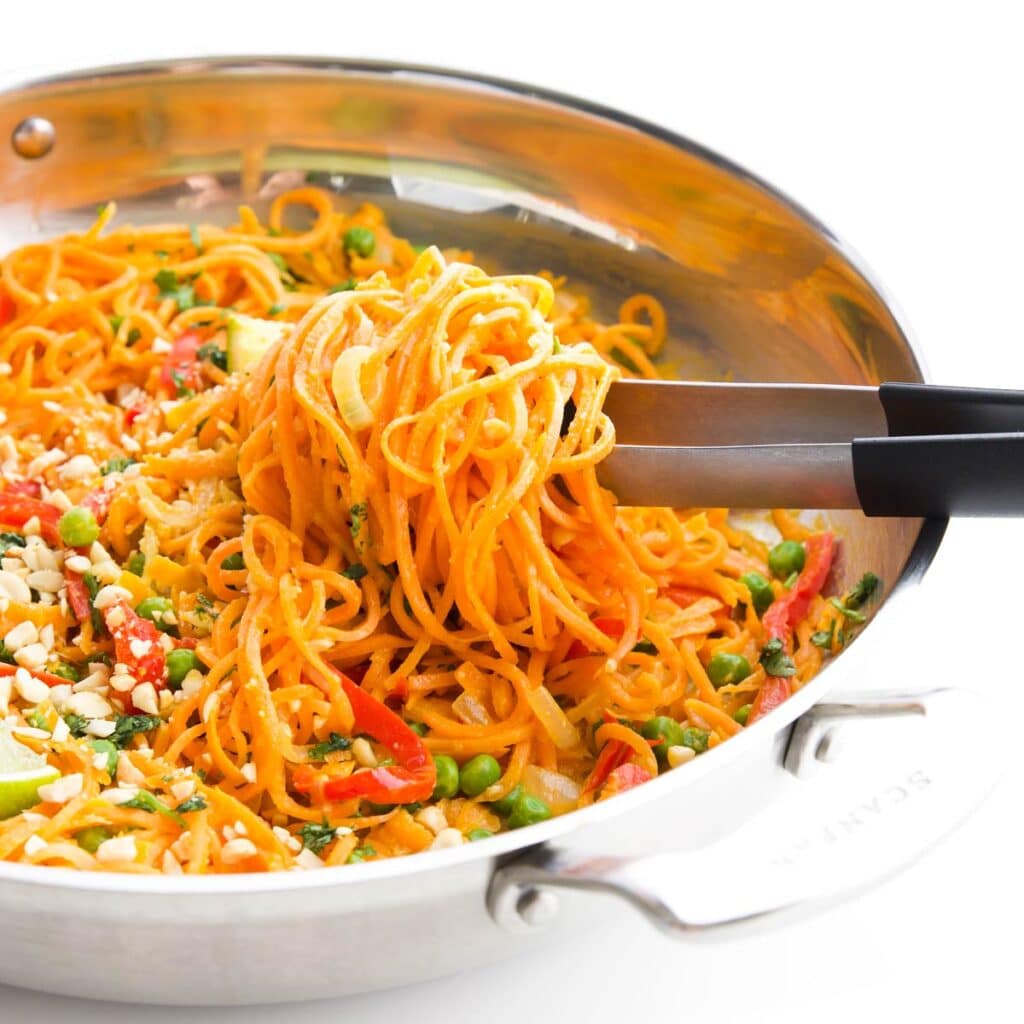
x=22, y=772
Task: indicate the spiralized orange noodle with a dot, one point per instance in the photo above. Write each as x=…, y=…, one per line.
x=305, y=560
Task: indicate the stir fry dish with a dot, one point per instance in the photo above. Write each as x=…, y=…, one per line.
x=304, y=561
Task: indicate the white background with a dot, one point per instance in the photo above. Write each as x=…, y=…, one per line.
x=898, y=125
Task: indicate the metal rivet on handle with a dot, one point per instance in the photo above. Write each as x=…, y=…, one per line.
x=33, y=138
x=537, y=907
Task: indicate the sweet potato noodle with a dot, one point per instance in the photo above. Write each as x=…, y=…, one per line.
x=305, y=560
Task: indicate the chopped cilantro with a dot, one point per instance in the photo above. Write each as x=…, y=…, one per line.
x=790, y=580
x=645, y=647
x=213, y=353
x=556, y=347
x=10, y=540
x=181, y=389
x=775, y=660
x=128, y=726
x=116, y=465
x=863, y=591
x=356, y=571
x=823, y=637
x=275, y=309
x=183, y=293
x=845, y=610
x=234, y=562
x=115, y=322
x=6, y=655
x=342, y=286
x=196, y=802
x=133, y=336
x=204, y=606
x=358, y=517
x=319, y=751
x=145, y=801
x=317, y=837
x=193, y=234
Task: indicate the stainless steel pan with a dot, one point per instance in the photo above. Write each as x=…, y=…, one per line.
x=757, y=289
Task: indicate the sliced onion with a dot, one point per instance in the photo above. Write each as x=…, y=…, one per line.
x=347, y=388
x=562, y=732
x=470, y=710
x=558, y=791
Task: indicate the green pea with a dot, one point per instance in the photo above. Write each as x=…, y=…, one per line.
x=663, y=728
x=447, y=784
x=66, y=670
x=478, y=773
x=761, y=593
x=154, y=609
x=89, y=839
x=78, y=527
x=360, y=240
x=742, y=714
x=179, y=663
x=528, y=810
x=233, y=562
x=479, y=833
x=786, y=558
x=695, y=739
x=725, y=668
x=503, y=807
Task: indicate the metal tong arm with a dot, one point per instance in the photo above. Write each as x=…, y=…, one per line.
x=896, y=450
x=705, y=414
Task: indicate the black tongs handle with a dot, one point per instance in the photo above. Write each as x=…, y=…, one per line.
x=953, y=475
x=920, y=409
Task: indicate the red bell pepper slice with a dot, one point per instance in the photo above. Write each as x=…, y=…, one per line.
x=98, y=503
x=29, y=488
x=613, y=628
x=183, y=361
x=626, y=776
x=17, y=509
x=410, y=781
x=613, y=754
x=785, y=612
x=133, y=412
x=7, y=309
x=78, y=595
x=46, y=677
x=774, y=690
x=150, y=667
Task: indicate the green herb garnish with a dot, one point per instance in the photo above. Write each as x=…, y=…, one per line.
x=196, y=802
x=775, y=660
x=128, y=726
x=319, y=751
x=116, y=465
x=317, y=837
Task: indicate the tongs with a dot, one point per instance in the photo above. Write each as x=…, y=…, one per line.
x=892, y=450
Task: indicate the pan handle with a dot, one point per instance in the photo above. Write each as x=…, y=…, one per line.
x=886, y=823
